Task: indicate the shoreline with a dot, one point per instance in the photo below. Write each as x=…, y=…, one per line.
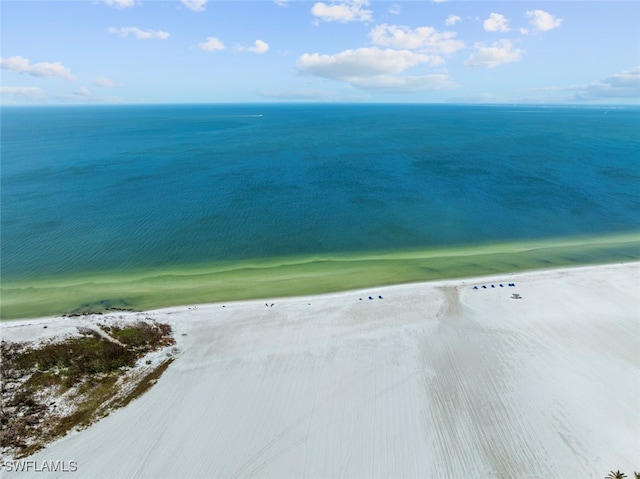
x=77, y=320
x=433, y=378
x=300, y=276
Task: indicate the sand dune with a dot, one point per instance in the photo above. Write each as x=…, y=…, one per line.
x=433, y=380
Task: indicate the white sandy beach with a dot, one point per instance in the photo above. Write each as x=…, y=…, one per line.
x=433, y=380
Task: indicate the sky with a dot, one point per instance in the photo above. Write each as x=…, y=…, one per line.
x=419, y=51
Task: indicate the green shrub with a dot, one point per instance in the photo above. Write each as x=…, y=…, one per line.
x=91, y=362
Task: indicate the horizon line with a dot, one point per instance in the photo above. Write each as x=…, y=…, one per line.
x=320, y=103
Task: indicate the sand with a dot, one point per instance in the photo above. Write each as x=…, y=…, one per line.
x=433, y=380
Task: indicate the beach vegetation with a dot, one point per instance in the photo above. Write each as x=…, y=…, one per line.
x=145, y=383
x=142, y=335
x=616, y=475
x=50, y=388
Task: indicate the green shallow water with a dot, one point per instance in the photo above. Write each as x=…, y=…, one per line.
x=304, y=275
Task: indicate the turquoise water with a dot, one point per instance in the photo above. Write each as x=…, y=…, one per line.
x=131, y=188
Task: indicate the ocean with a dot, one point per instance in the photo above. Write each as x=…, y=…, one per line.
x=151, y=205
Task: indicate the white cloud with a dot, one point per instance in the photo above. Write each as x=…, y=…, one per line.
x=103, y=82
x=120, y=3
x=542, y=20
x=301, y=94
x=439, y=1
x=212, y=44
x=44, y=70
x=281, y=3
x=493, y=55
x=620, y=85
x=496, y=23
x=481, y=98
x=374, y=69
x=258, y=47
x=428, y=39
x=452, y=20
x=394, y=9
x=23, y=92
x=359, y=63
x=82, y=91
x=140, y=34
x=85, y=98
x=405, y=84
x=195, y=5
x=347, y=11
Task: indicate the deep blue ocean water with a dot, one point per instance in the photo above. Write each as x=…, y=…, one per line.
x=85, y=189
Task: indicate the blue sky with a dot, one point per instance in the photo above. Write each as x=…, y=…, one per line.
x=193, y=51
